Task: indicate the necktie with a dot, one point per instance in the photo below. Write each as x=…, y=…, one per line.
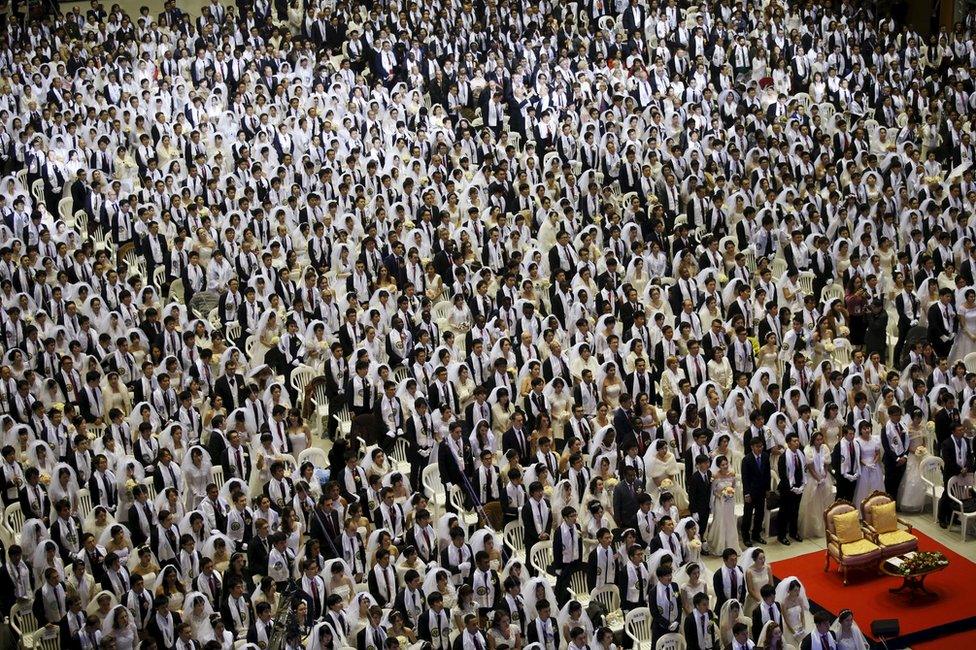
x=734, y=583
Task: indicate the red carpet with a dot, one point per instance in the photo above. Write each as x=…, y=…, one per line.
x=961, y=640
x=867, y=594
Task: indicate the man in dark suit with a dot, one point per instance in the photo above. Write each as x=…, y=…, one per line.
x=894, y=441
x=729, y=581
x=230, y=387
x=845, y=461
x=622, y=422
x=957, y=459
x=821, y=631
x=517, y=439
x=664, y=604
x=536, y=517
x=700, y=493
x=943, y=323
x=567, y=551
x=34, y=502
x=625, y=499
x=756, y=478
x=699, y=628
x=793, y=477
x=766, y=611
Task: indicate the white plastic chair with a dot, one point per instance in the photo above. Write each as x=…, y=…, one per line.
x=637, y=625
x=672, y=641
x=23, y=624
x=13, y=519
x=579, y=589
x=514, y=537
x=431, y=480
x=314, y=455
x=958, y=491
x=84, y=503
x=931, y=471
x=540, y=557
x=217, y=476
x=609, y=597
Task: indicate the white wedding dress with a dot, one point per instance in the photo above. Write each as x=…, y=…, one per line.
x=722, y=532
x=963, y=344
x=912, y=491
x=872, y=473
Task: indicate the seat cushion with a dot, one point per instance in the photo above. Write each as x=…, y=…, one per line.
x=884, y=518
x=848, y=527
x=860, y=547
x=896, y=537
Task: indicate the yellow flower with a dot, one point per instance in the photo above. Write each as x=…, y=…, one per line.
x=666, y=483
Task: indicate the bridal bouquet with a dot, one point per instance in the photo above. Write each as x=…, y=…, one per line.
x=695, y=544
x=666, y=484
x=921, y=451
x=547, y=490
x=728, y=492
x=129, y=485
x=829, y=347
x=44, y=478
x=610, y=482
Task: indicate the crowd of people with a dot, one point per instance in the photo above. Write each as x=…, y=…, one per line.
x=609, y=276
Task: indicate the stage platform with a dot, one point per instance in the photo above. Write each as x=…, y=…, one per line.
x=931, y=622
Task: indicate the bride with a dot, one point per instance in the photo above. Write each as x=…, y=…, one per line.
x=817, y=490
x=792, y=599
x=911, y=492
x=722, y=532
x=966, y=336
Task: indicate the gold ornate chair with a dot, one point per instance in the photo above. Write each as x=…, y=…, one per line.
x=846, y=542
x=882, y=525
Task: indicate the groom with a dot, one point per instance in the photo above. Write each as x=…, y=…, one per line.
x=895, y=444
x=942, y=323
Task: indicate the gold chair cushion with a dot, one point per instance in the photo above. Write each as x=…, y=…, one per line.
x=848, y=527
x=860, y=547
x=884, y=518
x=896, y=537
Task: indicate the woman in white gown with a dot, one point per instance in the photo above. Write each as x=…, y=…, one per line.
x=817, y=490
x=792, y=599
x=722, y=532
x=912, y=491
x=872, y=473
x=966, y=334
x=847, y=632
x=758, y=574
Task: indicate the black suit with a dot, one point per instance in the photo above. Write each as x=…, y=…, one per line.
x=700, y=499
x=845, y=487
x=737, y=590
x=760, y=616
x=691, y=630
x=807, y=642
x=532, y=532
x=756, y=479
x=951, y=467
x=942, y=332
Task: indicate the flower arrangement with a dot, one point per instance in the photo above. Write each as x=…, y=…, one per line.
x=666, y=484
x=728, y=492
x=921, y=562
x=921, y=451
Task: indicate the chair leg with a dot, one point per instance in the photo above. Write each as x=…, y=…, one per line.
x=827, y=563
x=844, y=572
